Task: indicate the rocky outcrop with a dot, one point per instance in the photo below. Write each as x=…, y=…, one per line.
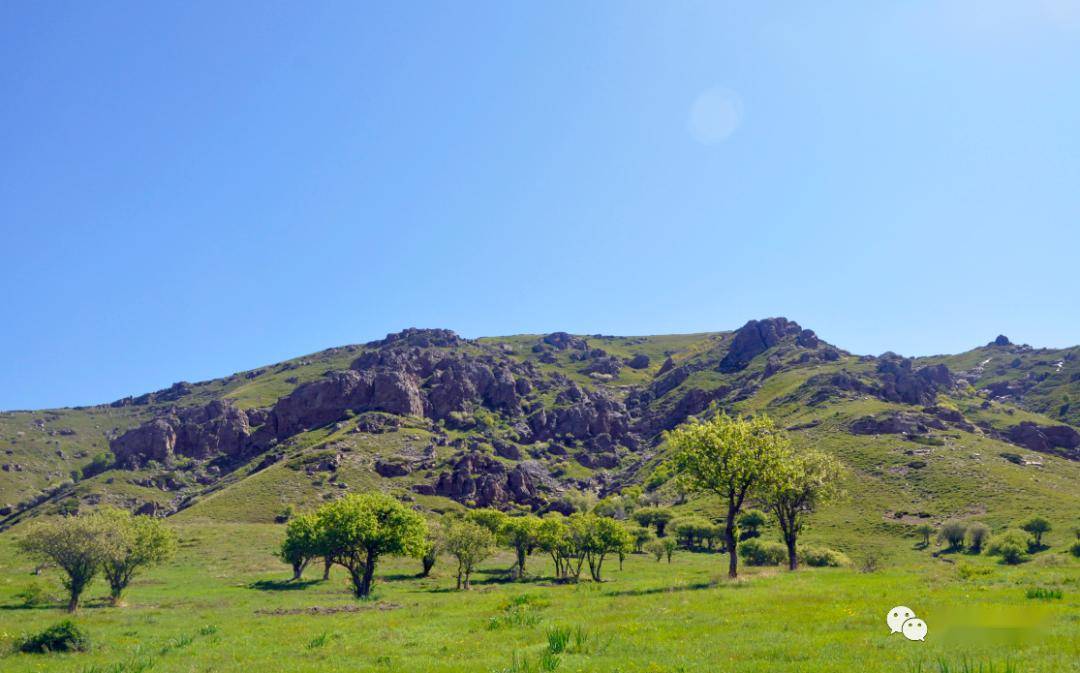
x=902, y=382
x=894, y=423
x=562, y=341
x=754, y=338
x=1062, y=440
x=639, y=361
x=219, y=428
x=484, y=481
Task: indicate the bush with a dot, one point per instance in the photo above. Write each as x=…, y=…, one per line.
x=823, y=557
x=978, y=534
x=62, y=637
x=755, y=552
x=953, y=533
x=1037, y=526
x=1011, y=546
x=1075, y=549
x=35, y=594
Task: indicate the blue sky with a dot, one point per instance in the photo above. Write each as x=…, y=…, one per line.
x=191, y=189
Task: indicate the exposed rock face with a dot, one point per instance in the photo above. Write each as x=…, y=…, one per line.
x=562, y=341
x=639, y=361
x=590, y=413
x=421, y=338
x=198, y=432
x=756, y=337
x=1001, y=340
x=1059, y=439
x=901, y=383
x=893, y=424
x=480, y=479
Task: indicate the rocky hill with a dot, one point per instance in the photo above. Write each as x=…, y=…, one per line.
x=536, y=421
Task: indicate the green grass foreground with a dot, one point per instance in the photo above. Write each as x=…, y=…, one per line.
x=223, y=605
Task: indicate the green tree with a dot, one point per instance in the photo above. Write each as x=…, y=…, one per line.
x=301, y=544
x=978, y=534
x=799, y=484
x=519, y=532
x=750, y=523
x=1011, y=546
x=925, y=530
x=953, y=533
x=429, y=553
x=1037, y=526
x=657, y=517
x=669, y=548
x=358, y=529
x=77, y=545
x=132, y=543
x=470, y=543
x=728, y=457
x=604, y=536
x=551, y=536
x=641, y=536
x=488, y=517
x=656, y=548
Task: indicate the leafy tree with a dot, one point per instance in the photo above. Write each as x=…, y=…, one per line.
x=925, y=530
x=551, y=536
x=641, y=536
x=519, y=532
x=800, y=483
x=762, y=553
x=429, y=554
x=1037, y=526
x=132, y=543
x=358, y=529
x=750, y=523
x=470, y=543
x=604, y=536
x=669, y=548
x=77, y=545
x=953, y=533
x=658, y=517
x=728, y=457
x=301, y=544
x=690, y=530
x=1011, y=546
x=978, y=534
x=489, y=518
x=656, y=548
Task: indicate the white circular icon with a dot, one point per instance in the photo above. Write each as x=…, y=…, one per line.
x=897, y=616
x=914, y=629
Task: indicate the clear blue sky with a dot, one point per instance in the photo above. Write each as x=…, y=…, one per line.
x=188, y=189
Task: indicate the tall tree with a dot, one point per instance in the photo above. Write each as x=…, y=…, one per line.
x=728, y=457
x=302, y=543
x=132, y=543
x=551, y=536
x=359, y=529
x=519, y=532
x=470, y=543
x=799, y=484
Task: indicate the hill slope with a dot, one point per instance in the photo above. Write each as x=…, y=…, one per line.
x=543, y=421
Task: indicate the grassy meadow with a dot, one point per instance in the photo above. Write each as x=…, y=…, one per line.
x=223, y=605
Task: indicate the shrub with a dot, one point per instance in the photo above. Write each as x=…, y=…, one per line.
x=62, y=637
x=925, y=530
x=1036, y=525
x=870, y=563
x=35, y=594
x=1011, y=546
x=978, y=534
x=758, y=553
x=656, y=548
x=1075, y=549
x=953, y=532
x=823, y=557
x=1041, y=593
x=750, y=523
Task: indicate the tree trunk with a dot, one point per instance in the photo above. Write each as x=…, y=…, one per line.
x=327, y=564
x=729, y=538
x=468, y=586
x=73, y=603
x=521, y=562
x=793, y=559
x=369, y=574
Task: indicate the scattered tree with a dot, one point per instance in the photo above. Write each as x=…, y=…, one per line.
x=978, y=534
x=925, y=530
x=658, y=517
x=953, y=533
x=489, y=518
x=132, y=543
x=429, y=554
x=728, y=457
x=551, y=536
x=519, y=532
x=1037, y=526
x=77, y=545
x=641, y=536
x=798, y=485
x=750, y=523
x=358, y=529
x=669, y=548
x=604, y=536
x=301, y=543
x=1011, y=546
x=470, y=543
x=656, y=548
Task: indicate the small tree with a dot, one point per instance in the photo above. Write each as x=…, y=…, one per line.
x=952, y=533
x=656, y=548
x=429, y=554
x=604, y=536
x=519, y=532
x=470, y=543
x=132, y=543
x=358, y=529
x=925, y=530
x=728, y=457
x=489, y=518
x=1011, y=546
x=77, y=545
x=669, y=548
x=658, y=517
x=1037, y=526
x=800, y=483
x=301, y=543
x=641, y=536
x=551, y=536
x=750, y=523
x=978, y=534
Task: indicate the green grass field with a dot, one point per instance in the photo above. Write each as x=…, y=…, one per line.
x=222, y=605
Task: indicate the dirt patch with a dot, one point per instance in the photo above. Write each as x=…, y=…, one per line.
x=332, y=610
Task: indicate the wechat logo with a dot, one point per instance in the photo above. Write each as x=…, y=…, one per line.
x=902, y=619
